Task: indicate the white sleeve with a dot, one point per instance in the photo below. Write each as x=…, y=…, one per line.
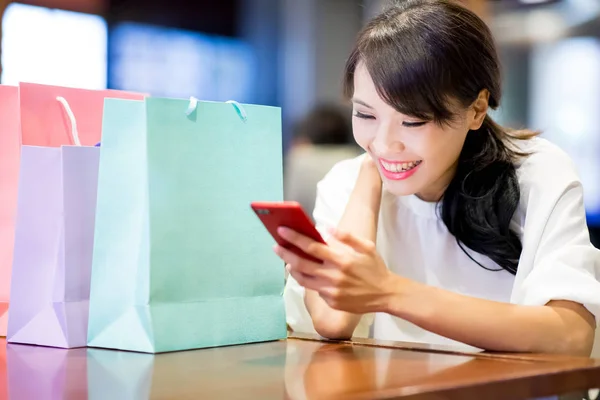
x=333, y=192
x=558, y=261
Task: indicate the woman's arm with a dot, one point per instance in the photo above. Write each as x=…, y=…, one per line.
x=359, y=282
x=558, y=327
x=360, y=218
x=354, y=279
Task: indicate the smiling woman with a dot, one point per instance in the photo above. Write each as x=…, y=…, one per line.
x=450, y=229
x=428, y=101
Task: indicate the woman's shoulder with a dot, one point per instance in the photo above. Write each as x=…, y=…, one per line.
x=547, y=176
x=539, y=146
x=545, y=167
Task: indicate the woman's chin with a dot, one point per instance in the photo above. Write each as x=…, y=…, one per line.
x=399, y=188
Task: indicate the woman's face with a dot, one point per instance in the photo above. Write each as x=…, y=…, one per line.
x=413, y=156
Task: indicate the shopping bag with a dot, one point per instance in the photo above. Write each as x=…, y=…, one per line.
x=10, y=143
x=47, y=111
x=3, y=374
x=39, y=115
x=49, y=299
x=180, y=261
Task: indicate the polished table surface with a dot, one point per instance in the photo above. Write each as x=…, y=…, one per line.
x=301, y=367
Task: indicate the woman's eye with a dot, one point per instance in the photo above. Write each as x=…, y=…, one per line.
x=413, y=124
x=358, y=114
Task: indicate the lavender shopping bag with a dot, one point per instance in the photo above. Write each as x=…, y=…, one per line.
x=54, y=239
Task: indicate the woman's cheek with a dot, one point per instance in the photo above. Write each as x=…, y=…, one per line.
x=362, y=136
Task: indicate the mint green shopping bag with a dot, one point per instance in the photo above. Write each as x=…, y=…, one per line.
x=180, y=261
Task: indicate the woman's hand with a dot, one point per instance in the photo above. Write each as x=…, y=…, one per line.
x=369, y=172
x=360, y=218
x=352, y=278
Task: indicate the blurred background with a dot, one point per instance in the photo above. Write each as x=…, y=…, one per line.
x=291, y=53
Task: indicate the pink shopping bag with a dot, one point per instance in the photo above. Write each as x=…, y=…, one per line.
x=10, y=143
x=45, y=119
x=39, y=115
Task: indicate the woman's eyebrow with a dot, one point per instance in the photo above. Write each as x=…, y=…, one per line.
x=359, y=101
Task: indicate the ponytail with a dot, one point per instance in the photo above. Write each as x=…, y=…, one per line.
x=483, y=196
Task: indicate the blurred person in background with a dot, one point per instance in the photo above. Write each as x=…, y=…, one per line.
x=320, y=140
x=450, y=229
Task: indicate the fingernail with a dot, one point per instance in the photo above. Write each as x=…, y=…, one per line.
x=282, y=230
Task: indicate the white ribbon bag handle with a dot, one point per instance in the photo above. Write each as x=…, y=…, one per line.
x=239, y=109
x=74, y=133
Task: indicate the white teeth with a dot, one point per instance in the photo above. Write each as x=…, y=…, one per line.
x=400, y=167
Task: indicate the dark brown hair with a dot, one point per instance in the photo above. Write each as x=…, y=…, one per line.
x=421, y=55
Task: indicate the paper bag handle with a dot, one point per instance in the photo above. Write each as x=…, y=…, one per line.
x=74, y=134
x=192, y=106
x=238, y=108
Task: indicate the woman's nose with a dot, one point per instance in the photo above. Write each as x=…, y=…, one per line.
x=387, y=139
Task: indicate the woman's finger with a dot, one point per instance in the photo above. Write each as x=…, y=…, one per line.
x=309, y=246
x=306, y=281
x=297, y=262
x=358, y=244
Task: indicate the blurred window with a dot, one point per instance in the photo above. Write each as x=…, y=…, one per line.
x=178, y=63
x=565, y=105
x=55, y=47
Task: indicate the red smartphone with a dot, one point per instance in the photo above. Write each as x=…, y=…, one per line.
x=287, y=214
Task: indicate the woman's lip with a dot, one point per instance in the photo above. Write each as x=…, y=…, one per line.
x=398, y=176
x=396, y=162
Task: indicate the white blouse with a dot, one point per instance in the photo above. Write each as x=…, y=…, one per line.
x=558, y=262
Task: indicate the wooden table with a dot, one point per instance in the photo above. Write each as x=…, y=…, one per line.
x=298, y=368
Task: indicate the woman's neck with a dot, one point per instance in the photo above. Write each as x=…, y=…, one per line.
x=434, y=192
